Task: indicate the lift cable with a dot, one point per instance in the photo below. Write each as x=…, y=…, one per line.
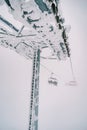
x=71, y=83
x=72, y=69
x=49, y=70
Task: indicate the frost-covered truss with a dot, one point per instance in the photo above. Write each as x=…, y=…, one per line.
x=34, y=104
x=43, y=27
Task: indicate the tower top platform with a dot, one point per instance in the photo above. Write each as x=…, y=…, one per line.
x=43, y=27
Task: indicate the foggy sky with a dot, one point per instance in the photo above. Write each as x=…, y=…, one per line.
x=60, y=108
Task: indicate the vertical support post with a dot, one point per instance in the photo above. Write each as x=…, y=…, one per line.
x=34, y=102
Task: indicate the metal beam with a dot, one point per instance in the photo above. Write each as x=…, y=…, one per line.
x=34, y=103
x=8, y=24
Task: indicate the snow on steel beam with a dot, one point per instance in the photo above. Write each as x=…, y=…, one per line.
x=48, y=27
x=8, y=24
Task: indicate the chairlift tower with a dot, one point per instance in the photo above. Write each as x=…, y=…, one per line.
x=34, y=103
x=46, y=29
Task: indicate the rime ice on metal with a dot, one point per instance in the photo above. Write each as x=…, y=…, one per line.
x=44, y=24
x=43, y=27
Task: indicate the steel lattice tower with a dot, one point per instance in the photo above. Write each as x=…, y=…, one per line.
x=46, y=29
x=34, y=103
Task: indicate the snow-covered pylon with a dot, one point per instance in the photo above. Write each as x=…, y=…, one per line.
x=42, y=28
x=43, y=19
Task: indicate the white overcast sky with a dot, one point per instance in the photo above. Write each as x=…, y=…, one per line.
x=60, y=108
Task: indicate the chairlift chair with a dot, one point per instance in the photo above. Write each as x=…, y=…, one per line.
x=72, y=83
x=52, y=80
